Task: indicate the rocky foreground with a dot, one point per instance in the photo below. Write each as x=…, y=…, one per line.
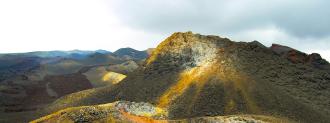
x=123, y=111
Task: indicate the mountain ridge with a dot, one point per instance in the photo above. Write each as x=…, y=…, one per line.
x=29, y=82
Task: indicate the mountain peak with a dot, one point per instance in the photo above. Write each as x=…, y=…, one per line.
x=228, y=76
x=201, y=48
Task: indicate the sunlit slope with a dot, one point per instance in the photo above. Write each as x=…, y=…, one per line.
x=99, y=77
x=195, y=75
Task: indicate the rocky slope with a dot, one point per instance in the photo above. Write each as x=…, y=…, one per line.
x=193, y=75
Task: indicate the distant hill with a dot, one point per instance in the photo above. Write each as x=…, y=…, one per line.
x=77, y=54
x=102, y=51
x=131, y=53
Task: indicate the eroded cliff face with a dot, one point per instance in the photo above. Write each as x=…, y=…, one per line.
x=193, y=75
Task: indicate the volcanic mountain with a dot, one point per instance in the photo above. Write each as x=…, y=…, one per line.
x=193, y=75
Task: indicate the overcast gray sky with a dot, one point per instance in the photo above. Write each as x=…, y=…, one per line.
x=111, y=24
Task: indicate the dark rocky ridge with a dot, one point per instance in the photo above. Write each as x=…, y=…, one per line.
x=296, y=56
x=195, y=75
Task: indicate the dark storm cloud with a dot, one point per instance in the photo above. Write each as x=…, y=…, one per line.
x=299, y=18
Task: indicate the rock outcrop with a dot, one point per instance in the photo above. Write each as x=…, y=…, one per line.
x=296, y=56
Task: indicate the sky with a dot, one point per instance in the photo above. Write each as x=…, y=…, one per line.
x=43, y=25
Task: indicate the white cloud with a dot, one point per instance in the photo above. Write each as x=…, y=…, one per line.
x=29, y=25
x=65, y=25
